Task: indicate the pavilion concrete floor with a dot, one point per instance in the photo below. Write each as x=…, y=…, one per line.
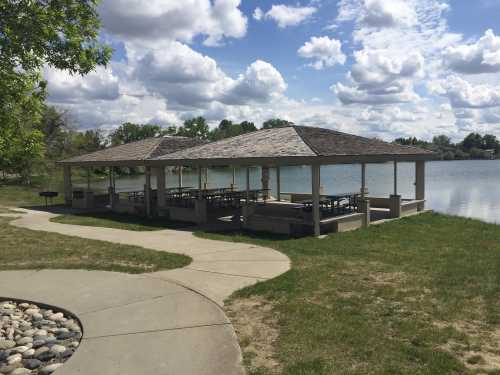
x=167, y=322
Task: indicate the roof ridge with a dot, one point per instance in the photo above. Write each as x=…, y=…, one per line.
x=154, y=147
x=300, y=134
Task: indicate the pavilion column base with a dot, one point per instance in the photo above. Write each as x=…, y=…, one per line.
x=247, y=211
x=395, y=206
x=113, y=198
x=421, y=206
x=201, y=211
x=365, y=210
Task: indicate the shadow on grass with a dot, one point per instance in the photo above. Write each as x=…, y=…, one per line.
x=119, y=221
x=240, y=235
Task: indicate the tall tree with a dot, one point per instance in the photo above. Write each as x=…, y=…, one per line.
x=57, y=133
x=276, y=123
x=473, y=140
x=89, y=141
x=491, y=142
x=248, y=127
x=62, y=34
x=228, y=129
x=34, y=33
x=21, y=144
x=129, y=132
x=442, y=141
x=195, y=128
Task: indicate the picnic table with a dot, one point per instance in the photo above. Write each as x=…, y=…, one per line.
x=217, y=197
x=336, y=204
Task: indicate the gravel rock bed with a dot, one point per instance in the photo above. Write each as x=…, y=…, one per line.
x=34, y=339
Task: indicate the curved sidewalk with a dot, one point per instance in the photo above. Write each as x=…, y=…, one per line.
x=167, y=322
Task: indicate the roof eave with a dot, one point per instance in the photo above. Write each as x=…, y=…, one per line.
x=294, y=160
x=102, y=163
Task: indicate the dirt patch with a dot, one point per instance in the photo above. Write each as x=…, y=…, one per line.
x=481, y=351
x=256, y=325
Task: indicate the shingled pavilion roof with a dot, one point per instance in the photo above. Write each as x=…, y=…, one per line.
x=294, y=145
x=134, y=153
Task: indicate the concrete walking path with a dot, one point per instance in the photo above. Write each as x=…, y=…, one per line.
x=167, y=322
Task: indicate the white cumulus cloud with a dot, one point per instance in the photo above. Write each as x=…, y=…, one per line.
x=379, y=78
x=480, y=57
x=285, y=15
x=64, y=87
x=155, y=20
x=463, y=94
x=258, y=14
x=325, y=51
x=260, y=83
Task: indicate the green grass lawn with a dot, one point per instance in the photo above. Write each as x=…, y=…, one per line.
x=416, y=296
x=118, y=221
x=14, y=195
x=27, y=249
x=4, y=210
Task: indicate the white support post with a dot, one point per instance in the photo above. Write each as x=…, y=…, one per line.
x=365, y=202
x=395, y=199
x=233, y=180
x=147, y=191
x=205, y=184
x=200, y=184
x=395, y=177
x=111, y=191
x=316, y=181
x=248, y=185
x=160, y=186
x=247, y=196
x=88, y=179
x=265, y=182
x=68, y=190
x=278, y=184
x=363, y=180
x=420, y=183
x=180, y=176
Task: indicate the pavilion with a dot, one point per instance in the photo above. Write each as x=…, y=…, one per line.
x=133, y=154
x=305, y=213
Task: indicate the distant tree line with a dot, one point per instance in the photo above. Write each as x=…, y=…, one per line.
x=51, y=136
x=473, y=146
x=33, y=148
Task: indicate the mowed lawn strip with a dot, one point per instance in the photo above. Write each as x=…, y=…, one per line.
x=26, y=249
x=23, y=195
x=416, y=296
x=119, y=221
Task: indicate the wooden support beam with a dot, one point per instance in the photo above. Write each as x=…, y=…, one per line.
x=160, y=186
x=68, y=189
x=200, y=183
x=363, y=180
x=316, y=182
x=265, y=181
x=395, y=177
x=278, y=184
x=247, y=185
x=111, y=190
x=233, y=180
x=147, y=191
x=420, y=183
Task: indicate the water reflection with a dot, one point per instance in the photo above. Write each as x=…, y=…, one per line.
x=465, y=188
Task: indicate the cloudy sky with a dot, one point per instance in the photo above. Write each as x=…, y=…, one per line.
x=384, y=68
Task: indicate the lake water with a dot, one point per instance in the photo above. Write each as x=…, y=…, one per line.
x=468, y=188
